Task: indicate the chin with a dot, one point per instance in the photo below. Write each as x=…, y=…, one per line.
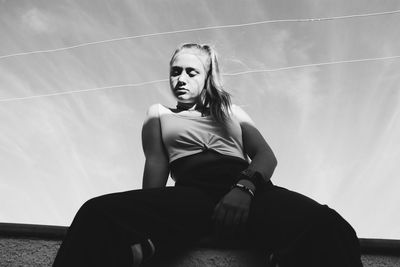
x=183, y=99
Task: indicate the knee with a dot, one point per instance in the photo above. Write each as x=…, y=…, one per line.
x=328, y=217
x=333, y=226
x=91, y=208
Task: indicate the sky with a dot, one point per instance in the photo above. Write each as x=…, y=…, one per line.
x=334, y=128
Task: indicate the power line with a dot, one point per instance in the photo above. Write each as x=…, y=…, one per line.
x=82, y=90
x=225, y=74
x=312, y=65
x=200, y=29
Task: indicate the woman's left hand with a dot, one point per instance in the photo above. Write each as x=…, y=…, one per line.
x=231, y=213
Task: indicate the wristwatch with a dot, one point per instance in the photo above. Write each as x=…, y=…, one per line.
x=253, y=176
x=244, y=188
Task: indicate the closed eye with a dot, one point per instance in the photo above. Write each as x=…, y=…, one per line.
x=191, y=72
x=175, y=71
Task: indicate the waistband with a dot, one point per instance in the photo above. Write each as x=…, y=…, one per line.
x=215, y=178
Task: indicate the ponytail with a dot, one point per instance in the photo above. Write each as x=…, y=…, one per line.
x=218, y=100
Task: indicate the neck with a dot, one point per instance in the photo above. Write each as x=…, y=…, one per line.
x=186, y=106
x=192, y=107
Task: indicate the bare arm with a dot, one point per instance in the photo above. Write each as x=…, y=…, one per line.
x=156, y=168
x=234, y=207
x=262, y=158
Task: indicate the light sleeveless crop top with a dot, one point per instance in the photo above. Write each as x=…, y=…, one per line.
x=184, y=135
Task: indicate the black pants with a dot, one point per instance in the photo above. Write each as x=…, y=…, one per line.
x=300, y=231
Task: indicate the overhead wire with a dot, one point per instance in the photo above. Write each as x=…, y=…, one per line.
x=199, y=29
x=224, y=74
x=193, y=30
x=83, y=90
x=312, y=65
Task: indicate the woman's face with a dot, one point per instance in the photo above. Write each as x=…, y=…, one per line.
x=187, y=77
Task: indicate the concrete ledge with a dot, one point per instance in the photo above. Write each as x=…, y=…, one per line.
x=24, y=252
x=37, y=252
x=51, y=232
x=33, y=230
x=37, y=245
x=200, y=257
x=27, y=252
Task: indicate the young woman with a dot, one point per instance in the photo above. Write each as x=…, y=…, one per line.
x=222, y=168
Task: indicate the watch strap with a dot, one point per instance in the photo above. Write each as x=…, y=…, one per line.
x=253, y=176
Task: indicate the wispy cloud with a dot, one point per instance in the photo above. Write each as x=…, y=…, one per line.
x=38, y=21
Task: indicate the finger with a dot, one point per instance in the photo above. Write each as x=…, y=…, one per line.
x=245, y=217
x=214, y=217
x=218, y=213
x=229, y=220
x=219, y=220
x=243, y=222
x=237, y=221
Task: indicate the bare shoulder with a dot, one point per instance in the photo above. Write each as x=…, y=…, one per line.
x=151, y=122
x=241, y=115
x=153, y=111
x=151, y=133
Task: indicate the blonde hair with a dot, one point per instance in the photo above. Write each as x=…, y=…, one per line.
x=214, y=96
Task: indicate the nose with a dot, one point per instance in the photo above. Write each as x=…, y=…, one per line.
x=182, y=77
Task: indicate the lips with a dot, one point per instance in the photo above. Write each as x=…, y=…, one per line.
x=180, y=90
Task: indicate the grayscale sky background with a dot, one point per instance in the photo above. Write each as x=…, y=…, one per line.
x=334, y=129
